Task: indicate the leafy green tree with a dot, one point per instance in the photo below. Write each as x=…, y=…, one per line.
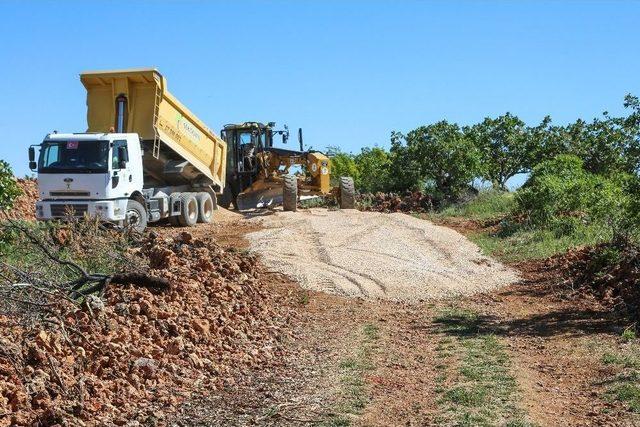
x=505, y=146
x=607, y=145
x=404, y=168
x=9, y=189
x=600, y=144
x=446, y=158
x=547, y=141
x=372, y=166
x=631, y=126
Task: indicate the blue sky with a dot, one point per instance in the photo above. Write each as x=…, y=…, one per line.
x=348, y=72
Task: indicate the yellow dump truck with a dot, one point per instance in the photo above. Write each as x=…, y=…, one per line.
x=144, y=156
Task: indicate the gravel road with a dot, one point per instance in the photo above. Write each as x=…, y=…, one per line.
x=374, y=255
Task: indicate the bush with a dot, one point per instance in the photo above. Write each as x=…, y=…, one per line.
x=9, y=189
x=342, y=164
x=373, y=170
x=561, y=195
x=369, y=168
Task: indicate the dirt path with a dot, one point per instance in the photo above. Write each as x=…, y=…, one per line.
x=524, y=354
x=373, y=255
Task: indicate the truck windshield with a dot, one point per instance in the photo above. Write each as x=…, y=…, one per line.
x=74, y=156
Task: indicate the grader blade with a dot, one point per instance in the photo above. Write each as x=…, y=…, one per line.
x=259, y=198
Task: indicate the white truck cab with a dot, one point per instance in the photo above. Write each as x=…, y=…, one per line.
x=90, y=173
x=102, y=174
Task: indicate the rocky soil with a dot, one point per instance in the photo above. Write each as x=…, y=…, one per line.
x=143, y=352
x=24, y=206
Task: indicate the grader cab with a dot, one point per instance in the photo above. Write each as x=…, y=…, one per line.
x=260, y=174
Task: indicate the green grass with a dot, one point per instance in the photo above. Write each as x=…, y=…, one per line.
x=522, y=243
x=624, y=384
x=511, y=241
x=488, y=205
x=476, y=388
x=354, y=393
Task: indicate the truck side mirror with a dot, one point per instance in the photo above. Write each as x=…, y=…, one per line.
x=300, y=139
x=32, y=158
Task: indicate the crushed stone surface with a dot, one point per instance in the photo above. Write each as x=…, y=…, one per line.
x=375, y=255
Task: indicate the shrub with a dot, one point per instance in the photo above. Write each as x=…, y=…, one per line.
x=342, y=164
x=9, y=189
x=561, y=195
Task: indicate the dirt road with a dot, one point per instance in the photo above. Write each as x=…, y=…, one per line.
x=521, y=354
x=374, y=255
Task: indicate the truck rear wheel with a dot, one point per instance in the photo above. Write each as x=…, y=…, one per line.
x=290, y=193
x=136, y=216
x=189, y=210
x=205, y=207
x=347, y=193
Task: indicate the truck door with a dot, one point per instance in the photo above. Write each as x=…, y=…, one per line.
x=121, y=173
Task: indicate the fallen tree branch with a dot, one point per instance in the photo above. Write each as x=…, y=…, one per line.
x=141, y=279
x=46, y=250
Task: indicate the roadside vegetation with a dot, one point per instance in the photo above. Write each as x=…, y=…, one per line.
x=9, y=189
x=578, y=211
x=582, y=185
x=353, y=395
x=474, y=383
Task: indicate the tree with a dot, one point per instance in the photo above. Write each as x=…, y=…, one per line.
x=404, y=169
x=546, y=142
x=505, y=147
x=607, y=145
x=447, y=159
x=342, y=164
x=9, y=190
x=631, y=124
x=372, y=165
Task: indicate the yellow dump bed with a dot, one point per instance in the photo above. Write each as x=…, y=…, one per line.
x=160, y=120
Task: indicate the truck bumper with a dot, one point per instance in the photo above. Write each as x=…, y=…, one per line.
x=108, y=210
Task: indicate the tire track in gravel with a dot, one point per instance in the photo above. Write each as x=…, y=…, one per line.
x=373, y=255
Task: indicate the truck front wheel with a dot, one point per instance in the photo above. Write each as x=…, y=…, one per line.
x=136, y=217
x=189, y=212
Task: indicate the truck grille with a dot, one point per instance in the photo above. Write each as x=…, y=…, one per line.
x=69, y=193
x=64, y=210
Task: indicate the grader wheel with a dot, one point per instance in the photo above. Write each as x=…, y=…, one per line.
x=347, y=197
x=290, y=193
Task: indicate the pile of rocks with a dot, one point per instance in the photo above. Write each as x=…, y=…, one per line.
x=139, y=352
x=24, y=207
x=415, y=201
x=610, y=271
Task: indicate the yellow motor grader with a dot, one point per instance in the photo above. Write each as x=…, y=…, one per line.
x=259, y=174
